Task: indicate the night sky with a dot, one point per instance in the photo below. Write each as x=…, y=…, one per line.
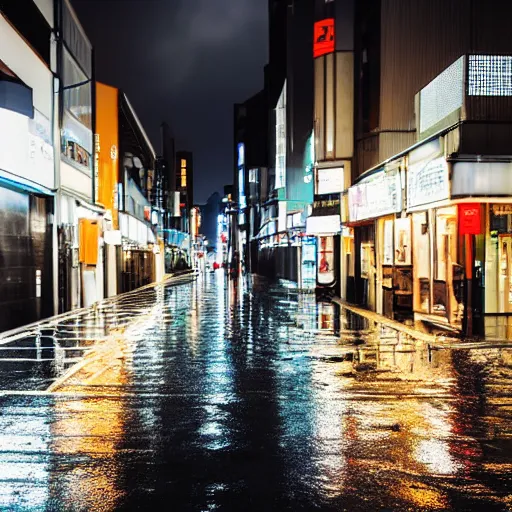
x=185, y=62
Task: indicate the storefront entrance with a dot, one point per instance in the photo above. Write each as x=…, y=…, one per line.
x=26, y=283
x=137, y=269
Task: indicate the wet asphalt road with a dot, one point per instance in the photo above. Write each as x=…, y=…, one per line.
x=246, y=400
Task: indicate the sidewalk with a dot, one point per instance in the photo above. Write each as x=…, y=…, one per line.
x=433, y=340
x=88, y=345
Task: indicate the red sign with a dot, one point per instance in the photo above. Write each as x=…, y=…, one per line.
x=323, y=37
x=470, y=219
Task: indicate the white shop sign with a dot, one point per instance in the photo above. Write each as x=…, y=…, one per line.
x=329, y=181
x=380, y=195
x=427, y=182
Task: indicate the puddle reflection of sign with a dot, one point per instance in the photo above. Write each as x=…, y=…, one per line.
x=323, y=41
x=470, y=219
x=325, y=317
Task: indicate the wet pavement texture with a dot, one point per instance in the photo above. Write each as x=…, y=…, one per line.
x=251, y=399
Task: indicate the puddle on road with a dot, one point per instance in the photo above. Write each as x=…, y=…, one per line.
x=232, y=399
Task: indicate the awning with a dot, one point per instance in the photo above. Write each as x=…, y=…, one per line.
x=15, y=95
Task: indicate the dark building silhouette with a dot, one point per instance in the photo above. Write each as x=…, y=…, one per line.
x=209, y=218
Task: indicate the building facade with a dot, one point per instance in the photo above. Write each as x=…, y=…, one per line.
x=27, y=164
x=126, y=185
x=428, y=207
x=273, y=166
x=185, y=187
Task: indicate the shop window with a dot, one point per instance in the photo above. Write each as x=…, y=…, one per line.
x=449, y=273
x=77, y=91
x=77, y=135
x=500, y=250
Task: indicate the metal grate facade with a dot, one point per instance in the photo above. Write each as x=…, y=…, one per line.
x=490, y=75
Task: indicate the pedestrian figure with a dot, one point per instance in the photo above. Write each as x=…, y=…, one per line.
x=235, y=265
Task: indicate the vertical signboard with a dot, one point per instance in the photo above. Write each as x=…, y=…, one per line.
x=470, y=219
x=323, y=37
x=242, y=202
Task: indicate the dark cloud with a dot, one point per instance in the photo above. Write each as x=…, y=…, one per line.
x=185, y=62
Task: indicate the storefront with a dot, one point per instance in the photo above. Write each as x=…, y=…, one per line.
x=325, y=224
x=442, y=258
x=137, y=253
x=27, y=180
x=81, y=278
x=374, y=206
x=26, y=256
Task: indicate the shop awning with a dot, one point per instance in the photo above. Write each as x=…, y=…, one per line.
x=15, y=95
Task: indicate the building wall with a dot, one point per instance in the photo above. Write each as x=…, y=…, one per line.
x=26, y=144
x=46, y=8
x=439, y=31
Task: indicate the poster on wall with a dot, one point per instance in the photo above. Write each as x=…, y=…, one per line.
x=325, y=274
x=427, y=182
x=388, y=243
x=403, y=241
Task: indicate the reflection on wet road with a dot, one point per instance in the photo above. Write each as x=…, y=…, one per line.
x=238, y=400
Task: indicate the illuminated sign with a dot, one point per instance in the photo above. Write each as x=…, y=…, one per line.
x=380, y=195
x=323, y=38
x=281, y=140
x=329, y=224
x=502, y=209
x=329, y=181
x=241, y=154
x=241, y=189
x=326, y=206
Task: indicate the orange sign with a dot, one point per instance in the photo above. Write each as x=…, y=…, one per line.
x=470, y=219
x=323, y=37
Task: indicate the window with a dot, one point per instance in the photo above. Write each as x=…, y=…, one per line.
x=183, y=163
x=77, y=91
x=77, y=137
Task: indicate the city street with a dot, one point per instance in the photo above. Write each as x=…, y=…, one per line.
x=230, y=399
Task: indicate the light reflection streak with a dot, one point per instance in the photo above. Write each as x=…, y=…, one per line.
x=218, y=382
x=23, y=458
